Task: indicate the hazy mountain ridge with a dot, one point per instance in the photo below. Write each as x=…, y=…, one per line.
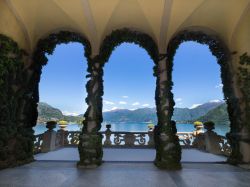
x=215, y=111
x=219, y=115
x=182, y=115
x=47, y=113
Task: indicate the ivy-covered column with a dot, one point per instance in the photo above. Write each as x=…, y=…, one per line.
x=240, y=132
x=16, y=136
x=90, y=146
x=168, y=149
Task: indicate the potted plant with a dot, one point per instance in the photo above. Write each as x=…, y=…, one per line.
x=209, y=125
x=198, y=125
x=63, y=124
x=51, y=125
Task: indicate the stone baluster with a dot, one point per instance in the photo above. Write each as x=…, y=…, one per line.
x=62, y=134
x=151, y=142
x=49, y=138
x=108, y=132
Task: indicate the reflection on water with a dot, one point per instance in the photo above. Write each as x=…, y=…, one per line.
x=133, y=127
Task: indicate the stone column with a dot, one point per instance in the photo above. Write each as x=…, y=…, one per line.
x=49, y=138
x=239, y=107
x=90, y=146
x=168, y=150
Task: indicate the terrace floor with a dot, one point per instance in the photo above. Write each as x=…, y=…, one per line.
x=119, y=174
x=128, y=155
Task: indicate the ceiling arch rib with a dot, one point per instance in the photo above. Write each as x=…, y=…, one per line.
x=91, y=24
x=20, y=22
x=124, y=16
x=244, y=12
x=164, y=25
x=175, y=25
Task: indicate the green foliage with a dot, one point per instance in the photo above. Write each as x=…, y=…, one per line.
x=117, y=37
x=47, y=112
x=218, y=115
x=16, y=143
x=244, y=85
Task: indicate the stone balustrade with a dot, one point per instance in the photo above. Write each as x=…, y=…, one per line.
x=204, y=141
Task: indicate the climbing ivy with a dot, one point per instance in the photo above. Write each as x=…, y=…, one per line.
x=15, y=141
x=47, y=46
x=223, y=58
x=244, y=84
x=166, y=159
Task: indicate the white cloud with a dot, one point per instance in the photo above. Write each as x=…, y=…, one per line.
x=194, y=106
x=179, y=103
x=178, y=99
x=114, y=108
x=122, y=103
x=145, y=105
x=136, y=104
x=132, y=109
x=219, y=86
x=67, y=113
x=215, y=101
x=108, y=102
x=125, y=96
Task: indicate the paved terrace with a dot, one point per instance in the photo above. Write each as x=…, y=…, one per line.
x=134, y=155
x=124, y=167
x=119, y=174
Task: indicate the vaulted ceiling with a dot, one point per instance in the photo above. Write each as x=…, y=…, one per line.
x=26, y=21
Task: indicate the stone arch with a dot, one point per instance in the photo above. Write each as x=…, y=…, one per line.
x=219, y=49
x=45, y=46
x=120, y=36
x=91, y=150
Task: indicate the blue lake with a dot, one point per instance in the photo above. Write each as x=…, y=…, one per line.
x=133, y=127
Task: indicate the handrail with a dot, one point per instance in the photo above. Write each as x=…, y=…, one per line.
x=125, y=139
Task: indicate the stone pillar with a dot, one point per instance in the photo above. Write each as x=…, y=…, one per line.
x=168, y=150
x=90, y=146
x=49, y=138
x=239, y=108
x=211, y=139
x=245, y=146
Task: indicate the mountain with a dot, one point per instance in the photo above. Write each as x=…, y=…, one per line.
x=47, y=113
x=215, y=111
x=182, y=115
x=218, y=115
x=124, y=115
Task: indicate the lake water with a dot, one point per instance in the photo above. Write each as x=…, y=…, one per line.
x=133, y=127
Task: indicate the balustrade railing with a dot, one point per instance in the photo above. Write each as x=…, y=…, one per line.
x=225, y=146
x=129, y=140
x=38, y=143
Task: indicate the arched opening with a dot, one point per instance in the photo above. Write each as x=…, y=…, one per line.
x=129, y=109
x=199, y=99
x=62, y=93
x=219, y=50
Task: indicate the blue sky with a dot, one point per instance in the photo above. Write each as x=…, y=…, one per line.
x=128, y=78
